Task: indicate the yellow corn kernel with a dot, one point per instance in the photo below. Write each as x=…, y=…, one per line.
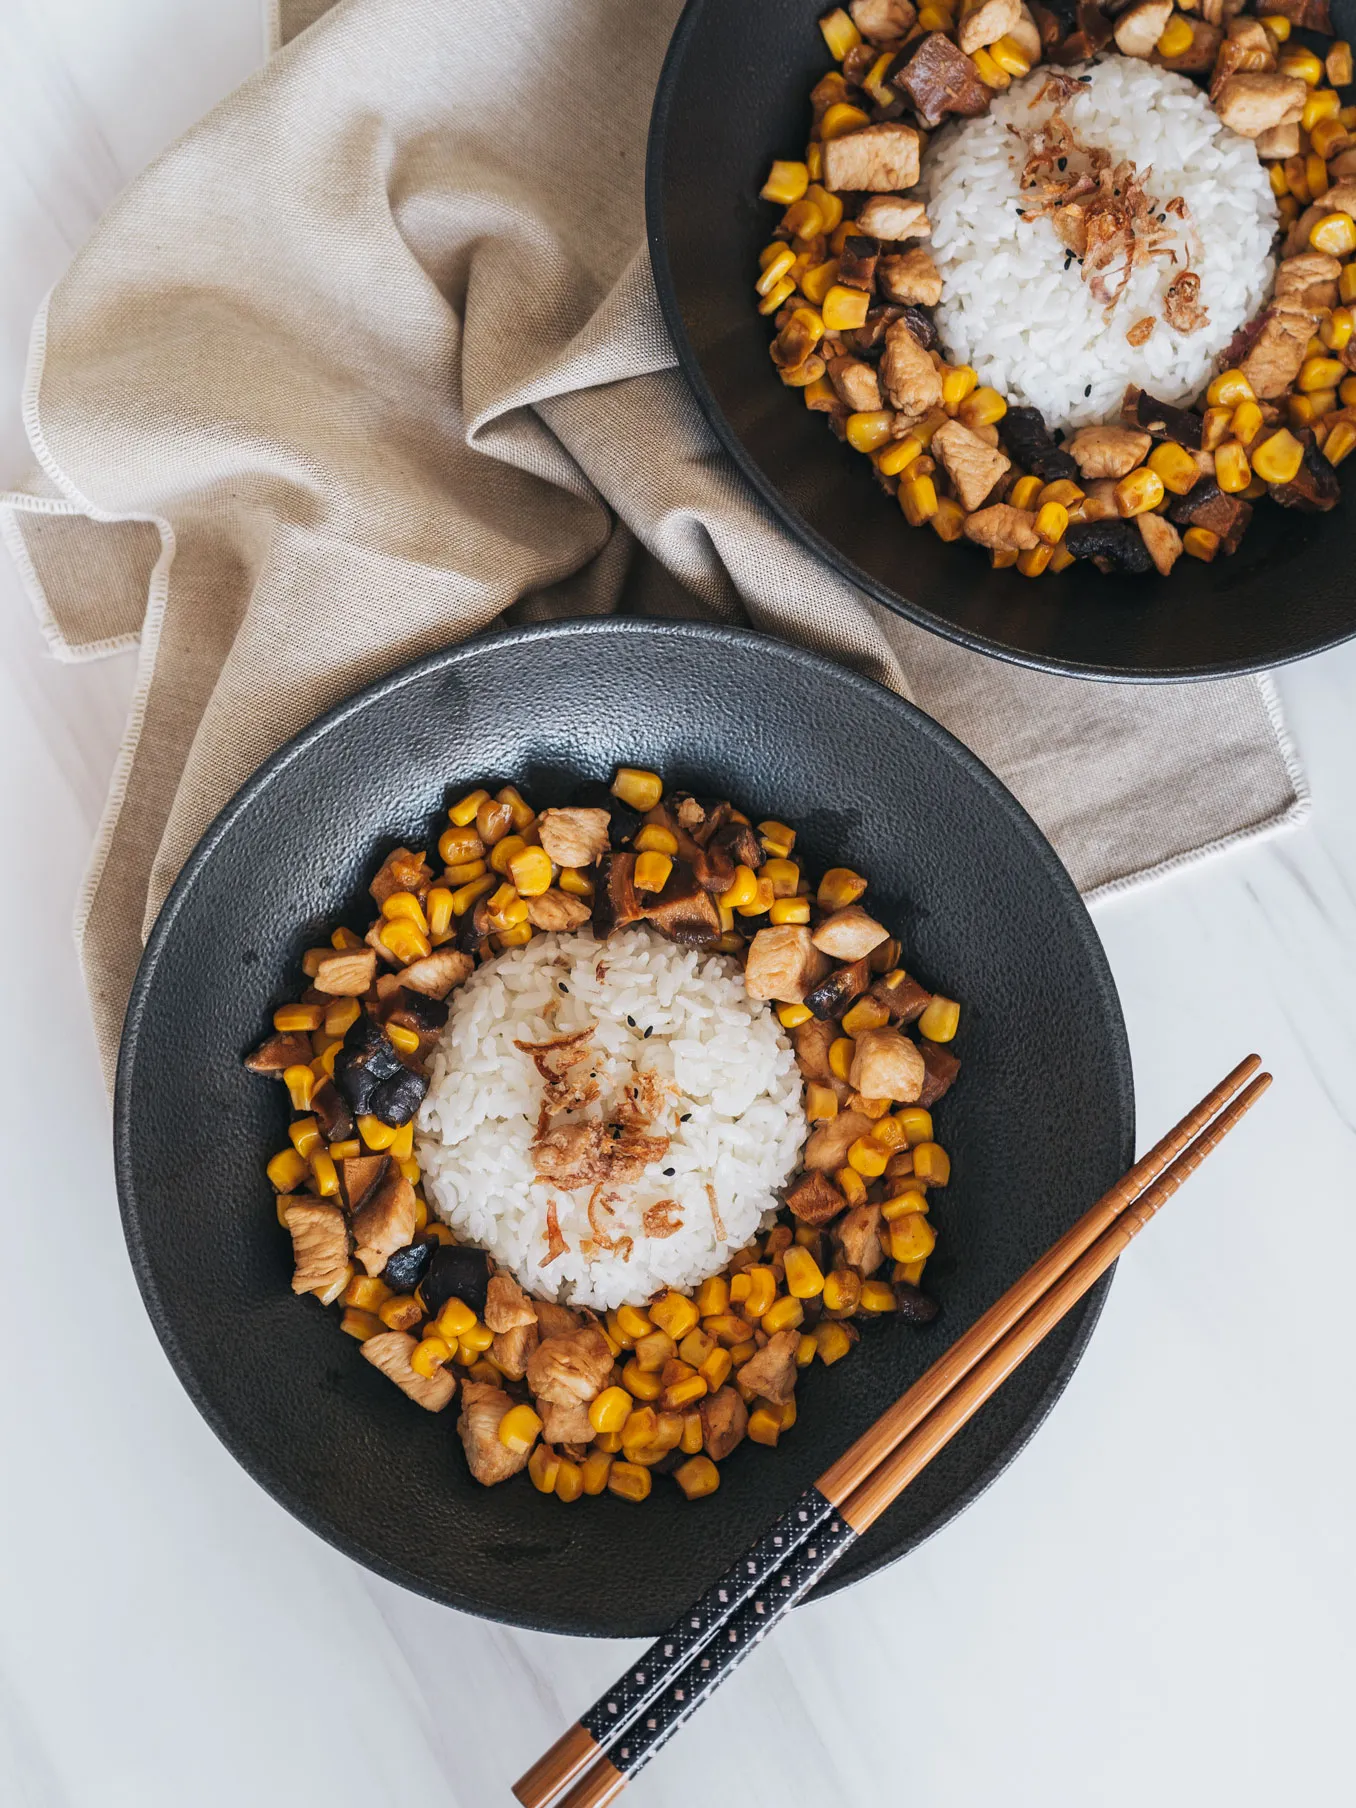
x=821, y=1103
x=765, y=1425
x=1335, y=233
x=777, y=297
x=347, y=1150
x=532, y=872
x=940, y=1020
x=1339, y=442
x=345, y=940
x=577, y=884
x=467, y=870
x=519, y=1429
x=324, y=1172
x=459, y=847
x=691, y=1441
x=1278, y=25
x=543, y=1466
x=1337, y=63
x=1177, y=37
x=361, y=1325
x=1316, y=176
x=1010, y=57
x=958, y=382
x=1061, y=558
x=1276, y=176
x=520, y=811
x=878, y=1296
x=982, y=408
x=652, y=872
x=1321, y=373
x=289, y=1018
x=742, y=892
x=454, y=1320
x=367, y=1292
x=777, y=268
x=762, y=1291
x=440, y=911
x=851, y=1185
x=1335, y=329
x=1322, y=104
x=792, y=1015
x=866, y=431
x=467, y=895
x=630, y=1481
x=697, y=1477
x=1024, y=492
x=1201, y=543
x=912, y=1238
x=786, y=182
x=569, y=1480
x=804, y=1277
x=844, y=308
x=596, y=1467
x=493, y=821
x=1302, y=63
x=988, y=70
x=1232, y=470
x=949, y=521
x=839, y=886
x=1052, y=521
x=840, y=119
x=1136, y=492
x=866, y=1014
x=406, y=1040
x=1174, y=466
x=323, y=1065
x=683, y=1392
x=1297, y=180
x=904, y=1203
x=936, y=18
x=634, y=1322
x=1228, y=389
x=789, y=910
x=478, y=1338
x=1032, y=560
x=287, y=1170
x=842, y=1291
x=641, y=1384
x=918, y=499
x=916, y=1121
x=841, y=1053
x=897, y=455
x=463, y=812
x=840, y=34
x=405, y=940
x=1002, y=557
x=300, y=1084
x=675, y=1314
x=343, y=1014
x=831, y=1341
x=404, y=907
x=815, y=285
x=1330, y=137
x=932, y=1164
x=654, y=838
x=761, y=901
x=1278, y=458
x=868, y=1157
x=1247, y=423
x=502, y=856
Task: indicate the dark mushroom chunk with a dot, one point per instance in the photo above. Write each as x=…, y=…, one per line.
x=1207, y=505
x=940, y=1070
x=331, y=1113
x=277, y=1053
x=456, y=1271
x=1033, y=446
x=939, y=79
x=921, y=325
x=814, y=1199
x=869, y=338
x=366, y=1061
x=1113, y=546
x=616, y=902
x=857, y=263
x=1314, y=487
x=740, y=843
x=902, y=996
x=624, y=823
x=685, y=911
x=416, y=1011
x=407, y=1267
x=914, y=1306
x=714, y=867
x=836, y=991
x=396, y=1100
x=1093, y=33
x=1166, y=422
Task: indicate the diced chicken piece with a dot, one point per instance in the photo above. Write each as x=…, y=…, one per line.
x=1138, y=28
x=812, y=1041
x=772, y=1372
x=725, y=1419
x=512, y=1350
x=1199, y=55
x=574, y=837
x=783, y=964
x=565, y=1424
x=828, y=1144
x=1307, y=281
x=275, y=1054
x=401, y=871
x=1274, y=361
x=1099, y=501
x=883, y=21
x=894, y=217
x=570, y=1369
x=814, y=1199
x=849, y=933
x=346, y=972
x=1296, y=241
x=385, y=1221
x=556, y=1321
x=988, y=22
x=437, y=973
x=1108, y=451
x=855, y=382
x=319, y=1247
x=858, y=1239
x=908, y=375
x=972, y=466
x=1026, y=34
x=1003, y=528
x=556, y=910
x=887, y=1065
x=482, y=1408
x=880, y=158
x=1341, y=198
x=507, y=1307
x=1279, y=142
x=1342, y=166
x=939, y=79
x=1249, y=104
x=1163, y=541
x=390, y=1351
x=1247, y=45
x=910, y=277
x=1309, y=15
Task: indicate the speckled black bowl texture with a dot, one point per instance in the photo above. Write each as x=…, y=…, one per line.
x=1039, y=1123
x=734, y=95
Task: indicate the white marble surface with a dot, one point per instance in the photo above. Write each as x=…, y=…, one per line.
x=1156, y=1603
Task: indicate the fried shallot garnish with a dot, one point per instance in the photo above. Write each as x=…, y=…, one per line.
x=662, y=1219
x=1181, y=304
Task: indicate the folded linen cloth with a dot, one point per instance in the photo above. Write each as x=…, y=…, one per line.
x=371, y=357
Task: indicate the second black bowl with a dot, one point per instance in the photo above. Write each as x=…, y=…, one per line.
x=732, y=97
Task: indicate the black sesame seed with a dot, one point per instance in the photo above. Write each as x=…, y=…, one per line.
x=669, y=1173
x=1063, y=163
x=562, y=985
x=631, y=1021
x=1087, y=389
x=686, y=1115
x=650, y=1030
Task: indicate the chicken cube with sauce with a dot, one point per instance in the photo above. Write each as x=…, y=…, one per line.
x=783, y=964
x=1253, y=103
x=908, y=376
x=772, y=1372
x=972, y=466
x=482, y=1409
x=894, y=217
x=880, y=158
x=911, y=278
x=390, y=1351
x=1108, y=451
x=887, y=1065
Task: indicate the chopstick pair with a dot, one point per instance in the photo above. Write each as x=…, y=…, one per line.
x=626, y=1727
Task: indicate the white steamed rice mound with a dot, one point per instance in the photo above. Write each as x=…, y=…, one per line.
x=728, y=1070
x=1033, y=330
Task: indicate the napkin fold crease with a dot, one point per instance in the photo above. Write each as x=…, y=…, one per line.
x=371, y=361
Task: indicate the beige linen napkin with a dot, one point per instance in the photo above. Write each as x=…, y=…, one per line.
x=373, y=356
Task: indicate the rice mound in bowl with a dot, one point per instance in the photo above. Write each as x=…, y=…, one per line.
x=1014, y=303
x=672, y=1045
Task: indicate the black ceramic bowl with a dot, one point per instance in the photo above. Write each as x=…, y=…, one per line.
x=1039, y=1123
x=732, y=96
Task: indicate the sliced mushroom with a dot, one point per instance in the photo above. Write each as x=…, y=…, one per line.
x=941, y=1070
x=685, y=911
x=901, y=996
x=277, y=1053
x=832, y=996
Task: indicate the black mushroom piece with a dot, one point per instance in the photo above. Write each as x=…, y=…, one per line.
x=275, y=1054
x=940, y=1068
x=1113, y=546
x=415, y=1010
x=616, y=902
x=1207, y=505
x=396, y=1100
x=373, y=1079
x=1032, y=445
x=738, y=840
x=1166, y=422
x=914, y=1306
x=407, y=1267
x=1093, y=33
x=921, y=325
x=836, y=991
x=331, y=1113
x=857, y=263
x=623, y=823
x=456, y=1271
x=1314, y=487
x=685, y=911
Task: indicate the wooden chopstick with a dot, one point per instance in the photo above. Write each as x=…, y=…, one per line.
x=686, y=1691
x=604, y=1723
